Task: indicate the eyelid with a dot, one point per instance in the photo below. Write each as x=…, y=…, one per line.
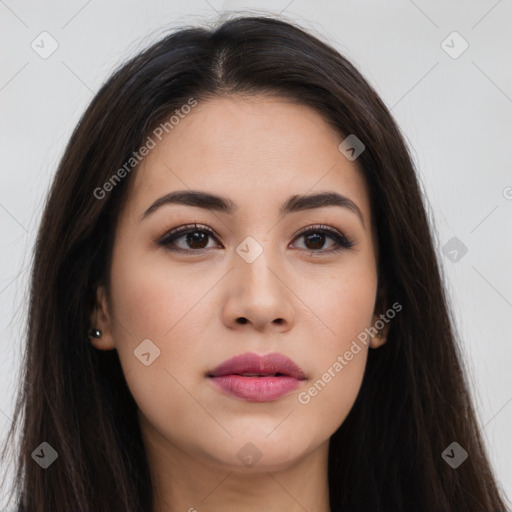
x=184, y=229
x=320, y=228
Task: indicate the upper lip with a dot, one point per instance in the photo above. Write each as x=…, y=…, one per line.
x=250, y=362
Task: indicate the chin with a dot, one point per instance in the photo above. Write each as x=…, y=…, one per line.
x=259, y=452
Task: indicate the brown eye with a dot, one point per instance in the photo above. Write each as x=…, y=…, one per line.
x=194, y=239
x=191, y=238
x=197, y=239
x=315, y=239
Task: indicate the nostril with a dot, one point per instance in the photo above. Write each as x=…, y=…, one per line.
x=242, y=320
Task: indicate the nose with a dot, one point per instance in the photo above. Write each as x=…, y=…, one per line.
x=259, y=296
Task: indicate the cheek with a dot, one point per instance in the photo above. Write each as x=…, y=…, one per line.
x=344, y=302
x=345, y=306
x=152, y=303
x=152, y=296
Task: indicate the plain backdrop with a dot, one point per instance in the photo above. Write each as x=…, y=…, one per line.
x=454, y=105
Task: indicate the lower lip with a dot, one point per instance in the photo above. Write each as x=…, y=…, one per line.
x=256, y=389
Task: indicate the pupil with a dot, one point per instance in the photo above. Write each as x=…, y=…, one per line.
x=319, y=238
x=195, y=239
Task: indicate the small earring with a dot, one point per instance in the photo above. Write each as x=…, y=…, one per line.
x=379, y=333
x=95, y=333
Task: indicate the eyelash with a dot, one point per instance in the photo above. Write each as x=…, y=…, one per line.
x=170, y=237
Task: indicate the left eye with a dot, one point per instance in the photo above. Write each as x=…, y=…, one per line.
x=197, y=238
x=316, y=236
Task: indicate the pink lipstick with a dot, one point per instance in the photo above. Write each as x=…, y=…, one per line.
x=257, y=378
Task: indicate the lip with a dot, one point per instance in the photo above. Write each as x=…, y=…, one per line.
x=278, y=376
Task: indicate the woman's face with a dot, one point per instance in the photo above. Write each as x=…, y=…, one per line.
x=180, y=306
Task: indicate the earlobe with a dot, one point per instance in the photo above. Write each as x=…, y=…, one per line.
x=378, y=339
x=100, y=332
x=382, y=327
x=380, y=323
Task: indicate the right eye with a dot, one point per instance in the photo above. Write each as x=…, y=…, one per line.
x=195, y=237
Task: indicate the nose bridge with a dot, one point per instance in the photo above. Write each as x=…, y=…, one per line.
x=260, y=295
x=257, y=263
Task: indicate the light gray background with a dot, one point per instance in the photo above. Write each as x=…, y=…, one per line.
x=455, y=112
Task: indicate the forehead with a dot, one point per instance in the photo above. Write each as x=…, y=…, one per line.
x=257, y=150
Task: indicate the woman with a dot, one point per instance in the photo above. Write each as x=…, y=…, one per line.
x=236, y=302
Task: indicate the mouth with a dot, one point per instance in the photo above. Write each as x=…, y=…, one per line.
x=256, y=378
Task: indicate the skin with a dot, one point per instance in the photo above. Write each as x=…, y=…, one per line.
x=257, y=151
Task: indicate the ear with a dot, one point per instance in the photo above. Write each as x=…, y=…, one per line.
x=377, y=340
x=379, y=321
x=101, y=319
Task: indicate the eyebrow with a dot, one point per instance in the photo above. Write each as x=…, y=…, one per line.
x=295, y=203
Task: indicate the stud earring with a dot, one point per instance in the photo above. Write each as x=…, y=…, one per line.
x=95, y=333
x=379, y=333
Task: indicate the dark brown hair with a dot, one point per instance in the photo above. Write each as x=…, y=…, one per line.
x=414, y=399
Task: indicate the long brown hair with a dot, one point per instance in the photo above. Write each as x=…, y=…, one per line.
x=414, y=399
